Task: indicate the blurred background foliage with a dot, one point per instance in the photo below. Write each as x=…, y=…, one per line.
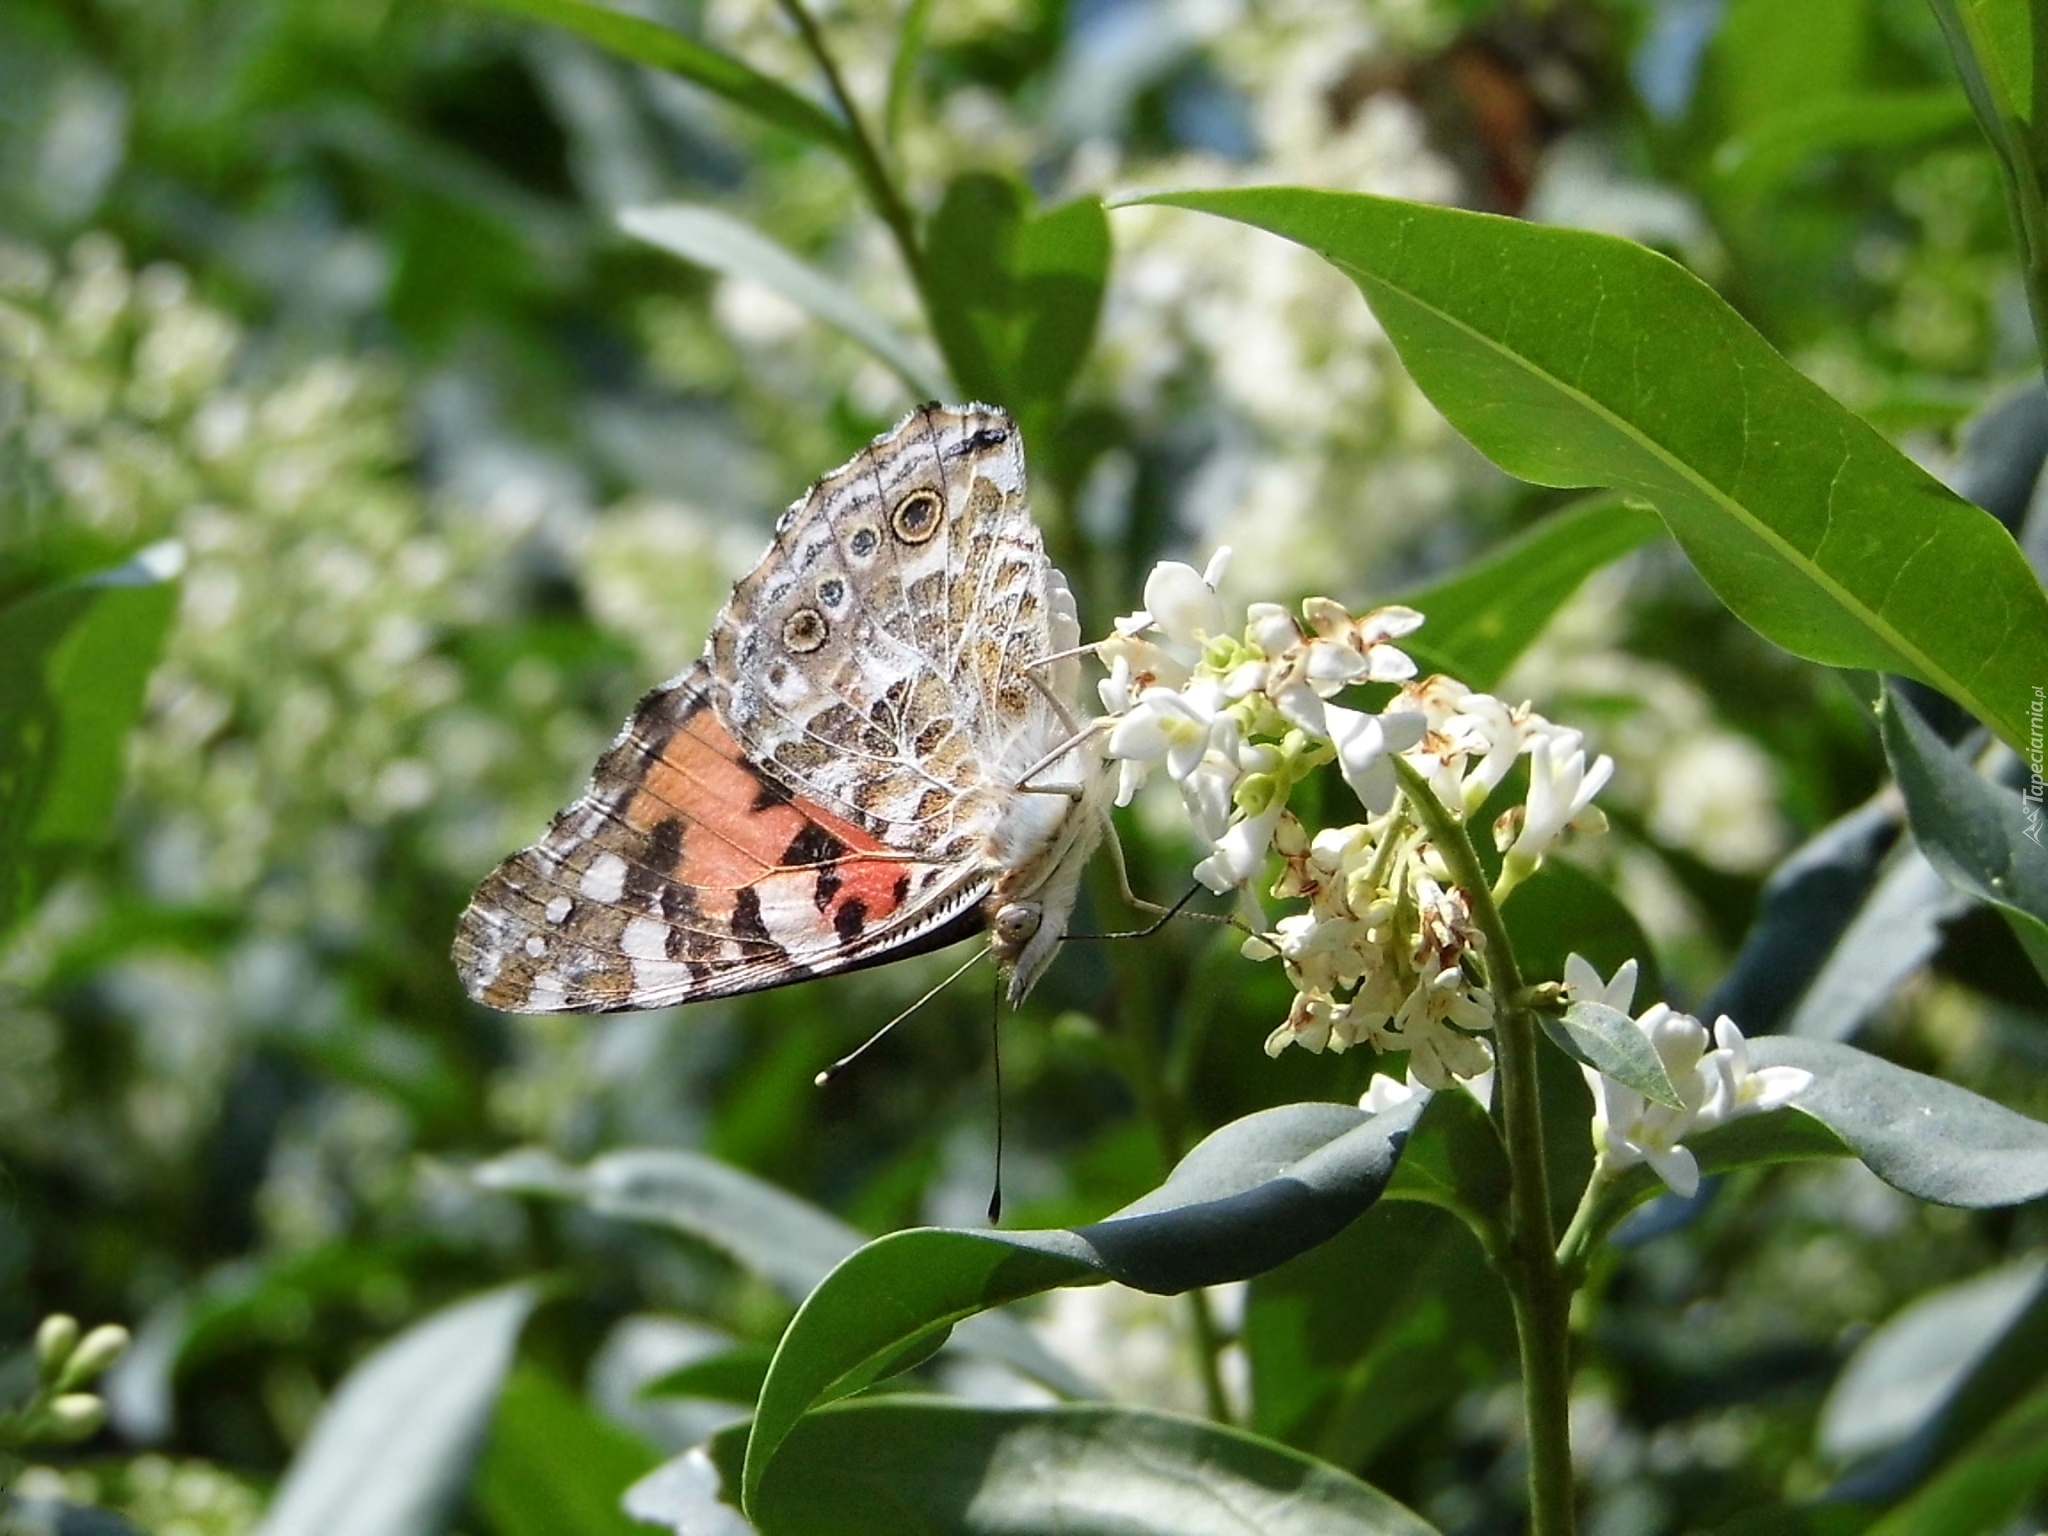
x=333, y=293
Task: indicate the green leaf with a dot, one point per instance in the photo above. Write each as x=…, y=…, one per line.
x=77, y=658
x=1561, y=909
x=1572, y=358
x=1989, y=1486
x=1775, y=146
x=1896, y=930
x=730, y=1376
x=1998, y=47
x=908, y=1464
x=1482, y=617
x=658, y=47
x=1929, y=1138
x=1454, y=1158
x=1251, y=1196
x=555, y=1467
x=722, y=243
x=1607, y=1040
x=392, y=1451
x=1983, y=837
x=1346, y=1381
x=1934, y=1377
x=788, y=1242
x=1014, y=295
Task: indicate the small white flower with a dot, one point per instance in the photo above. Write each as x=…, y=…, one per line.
x=1561, y=788
x=1713, y=1086
x=1365, y=744
x=1241, y=851
x=1271, y=628
x=1619, y=993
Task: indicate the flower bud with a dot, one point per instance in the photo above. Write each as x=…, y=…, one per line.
x=55, y=1341
x=95, y=1353
x=74, y=1416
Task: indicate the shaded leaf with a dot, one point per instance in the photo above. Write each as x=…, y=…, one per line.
x=1572, y=358
x=730, y=1376
x=1251, y=1196
x=1454, y=1157
x=555, y=1467
x=659, y=47
x=1483, y=617
x=1919, y=1134
x=1607, y=1040
x=1982, y=837
x=392, y=1451
x=76, y=660
x=1776, y=145
x=1561, y=909
x=900, y=1464
x=724, y=244
x=1895, y=932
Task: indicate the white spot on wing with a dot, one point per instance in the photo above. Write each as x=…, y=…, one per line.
x=536, y=946
x=605, y=881
x=645, y=938
x=548, y=994
x=558, y=909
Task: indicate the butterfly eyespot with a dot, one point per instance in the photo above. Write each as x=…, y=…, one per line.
x=916, y=517
x=804, y=631
x=863, y=542
x=831, y=592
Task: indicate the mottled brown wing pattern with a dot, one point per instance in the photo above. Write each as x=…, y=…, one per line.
x=685, y=873
x=837, y=781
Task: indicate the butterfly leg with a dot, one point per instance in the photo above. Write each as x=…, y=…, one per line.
x=1071, y=791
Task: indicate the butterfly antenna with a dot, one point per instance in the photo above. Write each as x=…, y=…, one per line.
x=995, y=1041
x=839, y=1066
x=1166, y=915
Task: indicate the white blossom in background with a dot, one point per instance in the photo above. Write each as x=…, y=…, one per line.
x=1239, y=713
x=1715, y=1084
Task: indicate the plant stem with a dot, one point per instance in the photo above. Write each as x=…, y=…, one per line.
x=1536, y=1285
x=867, y=160
x=1588, y=1222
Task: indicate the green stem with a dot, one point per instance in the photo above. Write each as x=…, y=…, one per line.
x=867, y=160
x=1536, y=1285
x=1589, y=1221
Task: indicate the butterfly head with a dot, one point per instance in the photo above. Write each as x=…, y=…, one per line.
x=1022, y=942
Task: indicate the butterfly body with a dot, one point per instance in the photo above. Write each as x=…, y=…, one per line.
x=865, y=763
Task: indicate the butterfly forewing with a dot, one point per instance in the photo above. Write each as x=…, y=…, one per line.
x=836, y=782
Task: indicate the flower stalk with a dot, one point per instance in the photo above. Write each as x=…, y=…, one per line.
x=1537, y=1288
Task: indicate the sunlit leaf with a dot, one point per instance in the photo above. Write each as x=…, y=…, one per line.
x=392, y=1452
x=1572, y=358
x=1775, y=146
x=1919, y=1134
x=730, y=246
x=1251, y=1196
x=1607, y=1040
x=659, y=47
x=76, y=659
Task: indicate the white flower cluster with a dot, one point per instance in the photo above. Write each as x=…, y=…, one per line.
x=1715, y=1086
x=1238, y=717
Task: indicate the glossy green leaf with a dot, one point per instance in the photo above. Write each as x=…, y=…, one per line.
x=1483, y=617
x=1775, y=146
x=1998, y=47
x=788, y=1242
x=1919, y=1134
x=1561, y=910
x=1572, y=358
x=727, y=245
x=730, y=1376
x=555, y=1466
x=906, y=1464
x=1984, y=838
x=392, y=1451
x=76, y=659
x=1607, y=1040
x=659, y=47
x=1014, y=294
x=1251, y=1196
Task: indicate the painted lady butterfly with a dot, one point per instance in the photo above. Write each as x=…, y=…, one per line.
x=874, y=757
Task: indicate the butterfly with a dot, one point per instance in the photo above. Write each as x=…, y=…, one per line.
x=876, y=756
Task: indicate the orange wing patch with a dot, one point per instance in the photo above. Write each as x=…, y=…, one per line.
x=686, y=872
